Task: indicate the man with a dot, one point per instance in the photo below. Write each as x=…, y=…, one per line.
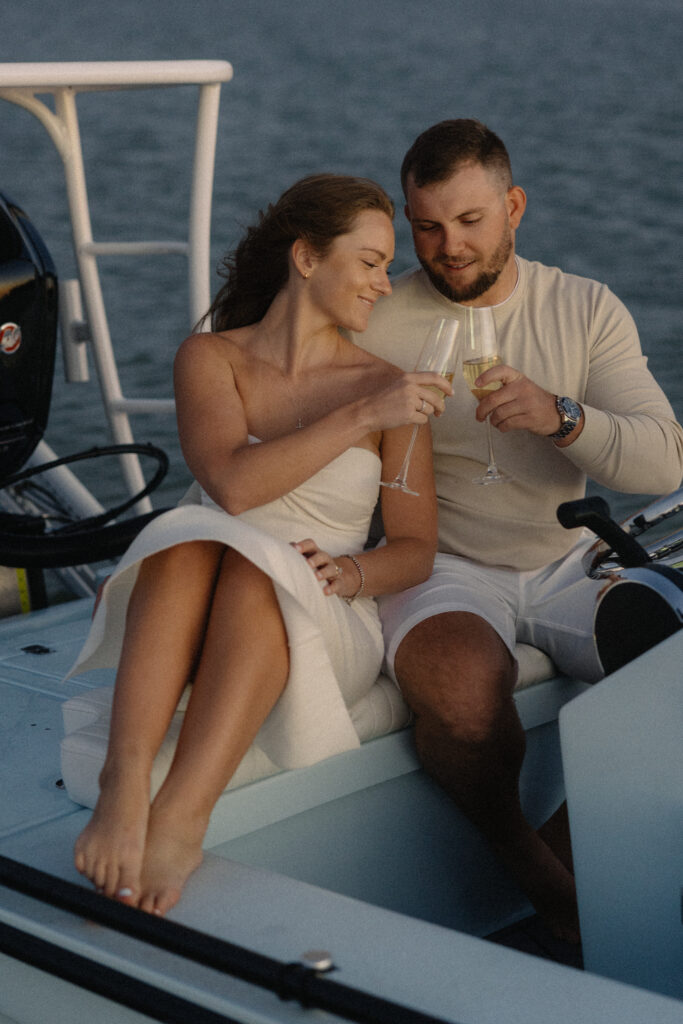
x=576, y=400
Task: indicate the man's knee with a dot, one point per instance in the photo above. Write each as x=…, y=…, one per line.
x=456, y=674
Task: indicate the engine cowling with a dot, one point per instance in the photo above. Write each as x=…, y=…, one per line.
x=28, y=334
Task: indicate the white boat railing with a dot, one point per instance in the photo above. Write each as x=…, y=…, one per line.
x=22, y=84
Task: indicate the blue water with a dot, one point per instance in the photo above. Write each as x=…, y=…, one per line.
x=587, y=96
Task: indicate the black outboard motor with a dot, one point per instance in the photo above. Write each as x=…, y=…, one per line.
x=642, y=603
x=28, y=332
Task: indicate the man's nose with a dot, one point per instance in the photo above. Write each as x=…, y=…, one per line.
x=452, y=240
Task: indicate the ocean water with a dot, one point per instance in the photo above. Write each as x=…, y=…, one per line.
x=585, y=93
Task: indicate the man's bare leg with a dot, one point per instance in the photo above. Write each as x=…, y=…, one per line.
x=458, y=677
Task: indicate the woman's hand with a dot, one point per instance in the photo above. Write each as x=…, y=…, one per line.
x=410, y=398
x=334, y=578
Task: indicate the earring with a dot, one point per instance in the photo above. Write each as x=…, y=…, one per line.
x=306, y=277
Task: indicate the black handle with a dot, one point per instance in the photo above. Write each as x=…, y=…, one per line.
x=594, y=513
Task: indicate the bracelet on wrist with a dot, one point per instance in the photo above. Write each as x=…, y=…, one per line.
x=359, y=567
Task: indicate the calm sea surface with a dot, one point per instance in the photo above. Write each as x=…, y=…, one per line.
x=587, y=96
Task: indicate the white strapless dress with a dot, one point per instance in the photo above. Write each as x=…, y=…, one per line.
x=336, y=648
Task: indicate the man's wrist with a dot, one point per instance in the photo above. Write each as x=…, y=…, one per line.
x=571, y=417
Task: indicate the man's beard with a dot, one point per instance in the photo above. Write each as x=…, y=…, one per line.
x=481, y=284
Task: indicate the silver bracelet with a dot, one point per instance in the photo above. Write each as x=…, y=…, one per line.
x=362, y=578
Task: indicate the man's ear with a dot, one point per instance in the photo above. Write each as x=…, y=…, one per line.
x=515, y=201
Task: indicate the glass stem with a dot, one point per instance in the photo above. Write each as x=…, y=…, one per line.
x=403, y=471
x=493, y=469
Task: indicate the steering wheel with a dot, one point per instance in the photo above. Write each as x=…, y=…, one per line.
x=25, y=542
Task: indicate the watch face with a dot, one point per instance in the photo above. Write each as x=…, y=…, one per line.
x=570, y=408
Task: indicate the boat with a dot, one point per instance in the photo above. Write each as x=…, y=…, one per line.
x=353, y=889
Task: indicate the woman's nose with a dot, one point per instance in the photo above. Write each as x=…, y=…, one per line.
x=382, y=284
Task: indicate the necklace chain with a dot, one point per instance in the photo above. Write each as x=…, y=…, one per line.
x=295, y=405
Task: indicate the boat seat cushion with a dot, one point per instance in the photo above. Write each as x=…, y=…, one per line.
x=86, y=727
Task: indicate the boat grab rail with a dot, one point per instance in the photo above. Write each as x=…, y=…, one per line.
x=91, y=76
x=22, y=84
x=297, y=980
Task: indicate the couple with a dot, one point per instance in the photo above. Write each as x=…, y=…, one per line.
x=288, y=426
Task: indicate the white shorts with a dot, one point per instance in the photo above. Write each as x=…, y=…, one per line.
x=551, y=608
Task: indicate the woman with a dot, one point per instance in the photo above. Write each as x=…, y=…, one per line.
x=281, y=421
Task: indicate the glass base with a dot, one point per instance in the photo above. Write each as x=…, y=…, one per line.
x=398, y=485
x=491, y=477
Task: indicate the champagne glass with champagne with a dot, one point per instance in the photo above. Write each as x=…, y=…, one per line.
x=480, y=353
x=438, y=355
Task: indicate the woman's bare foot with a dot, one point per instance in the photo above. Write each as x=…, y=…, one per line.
x=173, y=851
x=110, y=849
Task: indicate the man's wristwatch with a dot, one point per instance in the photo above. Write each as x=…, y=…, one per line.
x=570, y=414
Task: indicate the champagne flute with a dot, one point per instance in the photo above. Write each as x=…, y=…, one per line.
x=438, y=355
x=480, y=353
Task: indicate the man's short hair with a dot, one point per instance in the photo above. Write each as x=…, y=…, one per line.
x=445, y=147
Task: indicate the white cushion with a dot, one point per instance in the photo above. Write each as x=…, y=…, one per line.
x=534, y=666
x=86, y=726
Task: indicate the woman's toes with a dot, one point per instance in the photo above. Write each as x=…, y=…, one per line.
x=97, y=874
x=165, y=900
x=125, y=894
x=128, y=884
x=148, y=903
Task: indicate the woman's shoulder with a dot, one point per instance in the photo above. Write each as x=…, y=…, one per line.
x=364, y=359
x=230, y=346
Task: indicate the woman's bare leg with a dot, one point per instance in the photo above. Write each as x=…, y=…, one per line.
x=165, y=626
x=242, y=671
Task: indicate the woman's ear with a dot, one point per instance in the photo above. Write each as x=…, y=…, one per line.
x=303, y=257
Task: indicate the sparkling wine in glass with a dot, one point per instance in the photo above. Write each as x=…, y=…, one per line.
x=480, y=353
x=438, y=356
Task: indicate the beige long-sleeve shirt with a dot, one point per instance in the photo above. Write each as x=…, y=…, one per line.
x=571, y=336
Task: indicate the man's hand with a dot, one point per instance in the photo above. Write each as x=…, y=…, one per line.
x=519, y=404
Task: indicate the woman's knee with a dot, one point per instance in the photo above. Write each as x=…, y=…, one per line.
x=243, y=582
x=189, y=558
x=186, y=571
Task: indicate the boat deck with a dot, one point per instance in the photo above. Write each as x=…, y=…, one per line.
x=376, y=790
x=306, y=881
x=406, y=833
x=36, y=652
